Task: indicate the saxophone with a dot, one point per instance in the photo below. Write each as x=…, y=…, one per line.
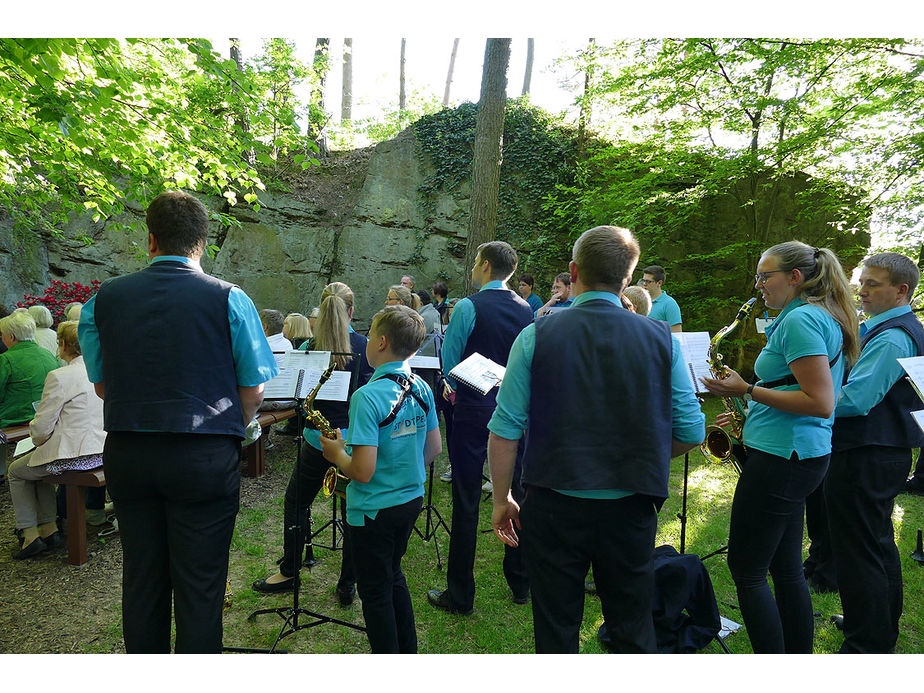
x=717, y=447
x=334, y=481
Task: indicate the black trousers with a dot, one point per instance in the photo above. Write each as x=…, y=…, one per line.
x=377, y=549
x=468, y=448
x=765, y=534
x=176, y=497
x=820, y=562
x=562, y=536
x=306, y=483
x=860, y=494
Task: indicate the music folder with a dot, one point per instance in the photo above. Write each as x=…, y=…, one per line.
x=479, y=373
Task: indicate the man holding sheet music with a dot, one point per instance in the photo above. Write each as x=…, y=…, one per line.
x=873, y=435
x=485, y=323
x=602, y=419
x=179, y=359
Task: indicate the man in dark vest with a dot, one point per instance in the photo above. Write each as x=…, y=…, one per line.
x=179, y=359
x=486, y=322
x=602, y=418
x=874, y=433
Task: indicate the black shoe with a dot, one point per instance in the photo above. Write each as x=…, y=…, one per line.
x=345, y=596
x=521, y=598
x=34, y=548
x=915, y=485
x=838, y=621
x=821, y=586
x=54, y=541
x=273, y=587
x=441, y=601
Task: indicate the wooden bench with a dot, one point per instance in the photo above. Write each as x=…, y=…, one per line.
x=75, y=484
x=254, y=455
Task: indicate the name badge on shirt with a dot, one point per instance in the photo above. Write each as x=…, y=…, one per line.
x=407, y=423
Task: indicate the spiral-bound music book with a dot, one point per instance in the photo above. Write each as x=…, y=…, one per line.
x=479, y=373
x=300, y=373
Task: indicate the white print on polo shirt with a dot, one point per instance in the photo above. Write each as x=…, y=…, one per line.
x=407, y=423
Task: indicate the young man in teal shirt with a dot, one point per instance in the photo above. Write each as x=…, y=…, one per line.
x=394, y=434
x=663, y=307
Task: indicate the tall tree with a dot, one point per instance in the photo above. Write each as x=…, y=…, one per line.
x=320, y=65
x=488, y=149
x=242, y=120
x=452, y=65
x=346, y=94
x=528, y=74
x=279, y=73
x=586, y=100
x=402, y=95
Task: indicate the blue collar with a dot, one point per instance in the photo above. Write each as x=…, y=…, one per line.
x=174, y=258
x=791, y=306
x=597, y=295
x=493, y=284
x=872, y=322
x=401, y=367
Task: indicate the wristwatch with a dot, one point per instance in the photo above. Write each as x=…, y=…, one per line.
x=747, y=395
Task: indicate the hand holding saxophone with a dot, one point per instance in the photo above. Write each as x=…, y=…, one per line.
x=334, y=449
x=732, y=385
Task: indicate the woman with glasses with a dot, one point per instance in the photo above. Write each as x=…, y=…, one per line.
x=787, y=434
x=332, y=333
x=399, y=295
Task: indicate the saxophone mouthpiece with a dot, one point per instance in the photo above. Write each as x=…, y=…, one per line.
x=745, y=310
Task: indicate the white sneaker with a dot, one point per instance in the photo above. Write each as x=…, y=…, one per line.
x=446, y=476
x=487, y=487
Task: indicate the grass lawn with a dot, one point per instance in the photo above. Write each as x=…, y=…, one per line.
x=498, y=625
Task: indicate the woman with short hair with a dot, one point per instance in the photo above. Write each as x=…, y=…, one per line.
x=68, y=434
x=45, y=337
x=23, y=367
x=787, y=434
x=296, y=329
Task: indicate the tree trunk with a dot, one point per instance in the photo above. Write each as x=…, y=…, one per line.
x=240, y=117
x=452, y=65
x=402, y=98
x=346, y=95
x=489, y=134
x=584, y=117
x=320, y=66
x=528, y=75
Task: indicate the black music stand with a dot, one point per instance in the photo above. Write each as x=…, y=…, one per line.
x=291, y=614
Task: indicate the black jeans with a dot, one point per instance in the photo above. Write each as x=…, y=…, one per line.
x=467, y=452
x=562, y=536
x=860, y=494
x=377, y=549
x=176, y=497
x=766, y=534
x=306, y=483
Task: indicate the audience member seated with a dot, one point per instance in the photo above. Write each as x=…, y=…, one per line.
x=3, y=313
x=429, y=314
x=273, y=322
x=72, y=312
x=525, y=289
x=561, y=295
x=68, y=434
x=23, y=367
x=297, y=329
x=399, y=295
x=313, y=317
x=45, y=337
x=639, y=298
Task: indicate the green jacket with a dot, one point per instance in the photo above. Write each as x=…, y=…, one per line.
x=23, y=368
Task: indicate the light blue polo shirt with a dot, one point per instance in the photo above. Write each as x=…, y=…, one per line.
x=512, y=413
x=399, y=468
x=799, y=330
x=254, y=362
x=665, y=308
x=534, y=302
x=877, y=369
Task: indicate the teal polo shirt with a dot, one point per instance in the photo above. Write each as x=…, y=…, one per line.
x=665, y=308
x=23, y=368
x=799, y=330
x=399, y=467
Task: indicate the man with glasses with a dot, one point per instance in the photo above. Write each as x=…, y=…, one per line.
x=561, y=296
x=663, y=307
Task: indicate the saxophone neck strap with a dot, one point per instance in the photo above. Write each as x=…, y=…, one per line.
x=406, y=389
x=791, y=379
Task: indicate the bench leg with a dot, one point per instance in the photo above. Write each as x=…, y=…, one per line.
x=76, y=524
x=254, y=457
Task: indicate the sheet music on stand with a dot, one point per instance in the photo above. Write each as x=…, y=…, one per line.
x=300, y=373
x=914, y=367
x=695, y=348
x=479, y=373
x=427, y=357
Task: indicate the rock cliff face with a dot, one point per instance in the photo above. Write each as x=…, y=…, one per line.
x=356, y=219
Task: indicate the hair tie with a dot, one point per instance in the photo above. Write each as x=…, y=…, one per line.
x=815, y=253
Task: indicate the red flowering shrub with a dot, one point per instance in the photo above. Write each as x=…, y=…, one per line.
x=59, y=295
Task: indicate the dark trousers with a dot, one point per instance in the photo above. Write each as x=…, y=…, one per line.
x=306, y=482
x=377, y=549
x=860, y=493
x=468, y=449
x=819, y=566
x=562, y=536
x=766, y=535
x=176, y=497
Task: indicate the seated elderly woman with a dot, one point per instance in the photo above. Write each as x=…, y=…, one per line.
x=68, y=434
x=45, y=337
x=296, y=329
x=23, y=367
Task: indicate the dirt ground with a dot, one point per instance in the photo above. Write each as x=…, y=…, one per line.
x=49, y=606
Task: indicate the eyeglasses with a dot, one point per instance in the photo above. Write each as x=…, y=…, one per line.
x=392, y=298
x=762, y=277
x=645, y=282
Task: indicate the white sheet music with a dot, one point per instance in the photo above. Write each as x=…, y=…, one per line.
x=24, y=446
x=417, y=361
x=695, y=347
x=283, y=386
x=914, y=366
x=336, y=389
x=918, y=416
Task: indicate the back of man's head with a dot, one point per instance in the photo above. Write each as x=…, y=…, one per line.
x=901, y=269
x=656, y=271
x=502, y=256
x=606, y=257
x=424, y=295
x=440, y=290
x=273, y=321
x=179, y=222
